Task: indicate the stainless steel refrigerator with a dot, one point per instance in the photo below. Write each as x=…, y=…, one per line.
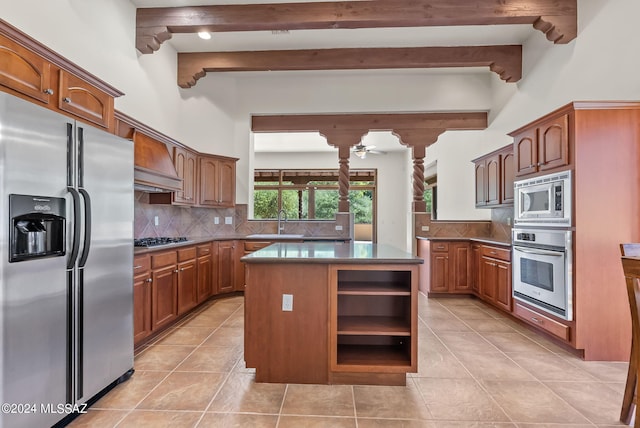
x=66, y=263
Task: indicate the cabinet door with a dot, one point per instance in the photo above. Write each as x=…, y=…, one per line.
x=476, y=258
x=439, y=273
x=239, y=274
x=24, y=72
x=185, y=163
x=187, y=286
x=488, y=282
x=205, y=272
x=87, y=102
x=226, y=266
x=526, y=152
x=507, y=174
x=481, y=183
x=503, y=285
x=164, y=303
x=141, y=307
x=553, y=144
x=227, y=183
x=493, y=180
x=208, y=189
x=461, y=267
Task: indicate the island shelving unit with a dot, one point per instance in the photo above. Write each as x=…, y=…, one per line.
x=353, y=320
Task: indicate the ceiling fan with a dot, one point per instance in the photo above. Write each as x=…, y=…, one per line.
x=361, y=151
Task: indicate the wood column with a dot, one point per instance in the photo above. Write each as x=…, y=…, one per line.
x=418, y=140
x=343, y=140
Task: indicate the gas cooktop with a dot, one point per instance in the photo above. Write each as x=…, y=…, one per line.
x=154, y=242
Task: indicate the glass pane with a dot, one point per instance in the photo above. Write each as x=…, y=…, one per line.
x=428, y=197
x=361, y=205
x=265, y=204
x=294, y=203
x=326, y=204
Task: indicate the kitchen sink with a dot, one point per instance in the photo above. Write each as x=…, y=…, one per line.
x=274, y=236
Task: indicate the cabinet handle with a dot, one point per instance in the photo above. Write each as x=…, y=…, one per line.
x=540, y=164
x=536, y=320
x=66, y=100
x=176, y=271
x=149, y=280
x=48, y=91
x=138, y=267
x=183, y=269
x=493, y=252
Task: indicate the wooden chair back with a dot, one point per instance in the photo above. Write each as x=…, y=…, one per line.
x=631, y=270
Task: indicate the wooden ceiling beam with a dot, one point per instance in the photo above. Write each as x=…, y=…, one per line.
x=505, y=60
x=557, y=19
x=369, y=121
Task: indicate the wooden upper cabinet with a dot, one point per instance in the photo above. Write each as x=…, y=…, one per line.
x=508, y=175
x=542, y=146
x=481, y=182
x=217, y=182
x=185, y=162
x=81, y=99
x=32, y=71
x=553, y=144
x=24, y=71
x=494, y=178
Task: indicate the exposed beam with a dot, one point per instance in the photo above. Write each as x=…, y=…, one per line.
x=370, y=121
x=505, y=60
x=557, y=19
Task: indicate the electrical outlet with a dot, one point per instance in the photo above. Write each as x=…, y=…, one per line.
x=338, y=227
x=216, y=220
x=287, y=302
x=425, y=228
x=228, y=220
x=508, y=221
x=156, y=221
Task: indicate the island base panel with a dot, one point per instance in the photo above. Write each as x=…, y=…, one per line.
x=347, y=378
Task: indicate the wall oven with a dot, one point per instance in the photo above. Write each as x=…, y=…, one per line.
x=542, y=270
x=543, y=201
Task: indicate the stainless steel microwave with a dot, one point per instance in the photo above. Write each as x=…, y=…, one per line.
x=543, y=201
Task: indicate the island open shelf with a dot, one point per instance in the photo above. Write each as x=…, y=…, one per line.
x=353, y=320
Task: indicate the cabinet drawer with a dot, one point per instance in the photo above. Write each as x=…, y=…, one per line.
x=141, y=264
x=204, y=250
x=439, y=246
x=497, y=253
x=185, y=254
x=255, y=245
x=551, y=326
x=164, y=259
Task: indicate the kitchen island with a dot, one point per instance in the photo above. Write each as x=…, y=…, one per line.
x=331, y=313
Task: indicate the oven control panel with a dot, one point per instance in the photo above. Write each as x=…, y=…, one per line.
x=525, y=236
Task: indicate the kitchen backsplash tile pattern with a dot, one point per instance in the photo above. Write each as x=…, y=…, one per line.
x=201, y=222
x=498, y=228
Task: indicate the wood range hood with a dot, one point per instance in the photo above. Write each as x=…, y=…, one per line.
x=154, y=171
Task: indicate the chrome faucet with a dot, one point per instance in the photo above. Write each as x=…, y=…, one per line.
x=281, y=213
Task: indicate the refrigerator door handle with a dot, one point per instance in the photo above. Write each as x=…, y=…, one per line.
x=76, y=230
x=87, y=228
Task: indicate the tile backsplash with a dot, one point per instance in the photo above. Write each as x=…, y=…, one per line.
x=499, y=227
x=201, y=222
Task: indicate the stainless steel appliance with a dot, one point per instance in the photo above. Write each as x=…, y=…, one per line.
x=542, y=270
x=543, y=201
x=66, y=263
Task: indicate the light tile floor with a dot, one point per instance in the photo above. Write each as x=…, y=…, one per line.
x=477, y=368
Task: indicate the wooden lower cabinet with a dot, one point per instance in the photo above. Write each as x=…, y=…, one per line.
x=187, y=286
x=141, y=298
x=164, y=301
x=205, y=272
x=495, y=276
x=450, y=265
x=476, y=260
x=226, y=266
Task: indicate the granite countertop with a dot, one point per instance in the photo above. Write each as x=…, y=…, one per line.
x=204, y=239
x=331, y=252
x=484, y=240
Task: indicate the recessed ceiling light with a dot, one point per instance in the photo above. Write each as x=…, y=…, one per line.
x=204, y=35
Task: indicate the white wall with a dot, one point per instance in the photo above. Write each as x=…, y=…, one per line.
x=392, y=173
x=99, y=36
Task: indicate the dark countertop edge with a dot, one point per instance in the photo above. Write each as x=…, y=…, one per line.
x=205, y=239
x=470, y=239
x=336, y=261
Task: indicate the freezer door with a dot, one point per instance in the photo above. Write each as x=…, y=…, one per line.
x=33, y=293
x=105, y=263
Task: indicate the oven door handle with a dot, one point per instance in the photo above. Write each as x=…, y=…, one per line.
x=540, y=252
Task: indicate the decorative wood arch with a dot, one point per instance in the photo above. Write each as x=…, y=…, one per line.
x=343, y=131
